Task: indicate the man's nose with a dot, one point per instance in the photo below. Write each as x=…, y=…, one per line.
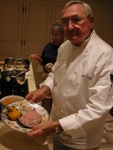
x=70, y=25
x=54, y=37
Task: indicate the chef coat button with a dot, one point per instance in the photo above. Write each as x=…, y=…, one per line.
x=62, y=111
x=86, y=50
x=67, y=91
x=75, y=72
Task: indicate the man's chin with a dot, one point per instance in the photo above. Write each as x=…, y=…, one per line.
x=75, y=41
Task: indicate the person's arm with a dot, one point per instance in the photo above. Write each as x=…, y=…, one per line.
x=98, y=105
x=39, y=94
x=45, y=129
x=37, y=57
x=1, y=63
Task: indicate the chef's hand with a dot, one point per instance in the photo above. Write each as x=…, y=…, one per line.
x=38, y=95
x=42, y=130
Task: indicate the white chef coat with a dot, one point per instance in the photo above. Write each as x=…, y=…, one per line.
x=81, y=90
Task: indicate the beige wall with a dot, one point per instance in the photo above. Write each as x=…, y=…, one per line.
x=26, y=32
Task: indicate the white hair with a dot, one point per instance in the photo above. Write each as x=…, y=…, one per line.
x=86, y=6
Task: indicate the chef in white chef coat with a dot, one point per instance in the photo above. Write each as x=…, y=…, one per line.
x=79, y=84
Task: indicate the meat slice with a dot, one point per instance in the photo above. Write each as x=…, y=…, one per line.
x=30, y=118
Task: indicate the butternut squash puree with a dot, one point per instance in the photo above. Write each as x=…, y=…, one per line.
x=13, y=113
x=8, y=101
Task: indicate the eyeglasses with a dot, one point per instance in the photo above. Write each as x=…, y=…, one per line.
x=73, y=20
x=56, y=35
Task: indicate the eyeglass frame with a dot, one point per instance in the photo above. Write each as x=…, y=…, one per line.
x=74, y=21
x=55, y=35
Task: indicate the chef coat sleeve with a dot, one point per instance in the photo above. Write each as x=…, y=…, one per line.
x=99, y=104
x=48, y=81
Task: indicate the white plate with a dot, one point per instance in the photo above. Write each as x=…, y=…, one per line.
x=14, y=97
x=16, y=125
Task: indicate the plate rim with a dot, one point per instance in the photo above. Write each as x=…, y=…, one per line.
x=15, y=96
x=15, y=125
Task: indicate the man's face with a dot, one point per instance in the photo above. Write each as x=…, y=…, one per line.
x=77, y=27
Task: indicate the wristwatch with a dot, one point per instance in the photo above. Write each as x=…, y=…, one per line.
x=58, y=129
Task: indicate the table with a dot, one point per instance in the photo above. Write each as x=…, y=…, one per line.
x=14, y=140
x=31, y=80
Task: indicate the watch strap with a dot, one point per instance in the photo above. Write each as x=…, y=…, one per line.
x=57, y=127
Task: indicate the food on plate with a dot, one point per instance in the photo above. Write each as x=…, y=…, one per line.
x=13, y=113
x=35, y=111
x=10, y=100
x=30, y=118
x=25, y=106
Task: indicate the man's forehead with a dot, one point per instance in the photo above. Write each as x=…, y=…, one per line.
x=72, y=10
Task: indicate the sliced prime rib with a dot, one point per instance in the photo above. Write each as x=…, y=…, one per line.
x=30, y=118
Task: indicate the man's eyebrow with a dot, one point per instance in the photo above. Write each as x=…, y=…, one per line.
x=74, y=16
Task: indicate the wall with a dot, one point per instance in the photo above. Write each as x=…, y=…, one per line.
x=26, y=31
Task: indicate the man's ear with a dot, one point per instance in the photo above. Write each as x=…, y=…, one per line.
x=91, y=18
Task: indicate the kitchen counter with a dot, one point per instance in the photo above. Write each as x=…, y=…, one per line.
x=31, y=80
x=13, y=140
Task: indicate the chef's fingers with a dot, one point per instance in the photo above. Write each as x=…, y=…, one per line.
x=38, y=133
x=29, y=96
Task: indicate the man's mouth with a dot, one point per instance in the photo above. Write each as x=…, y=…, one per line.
x=73, y=33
